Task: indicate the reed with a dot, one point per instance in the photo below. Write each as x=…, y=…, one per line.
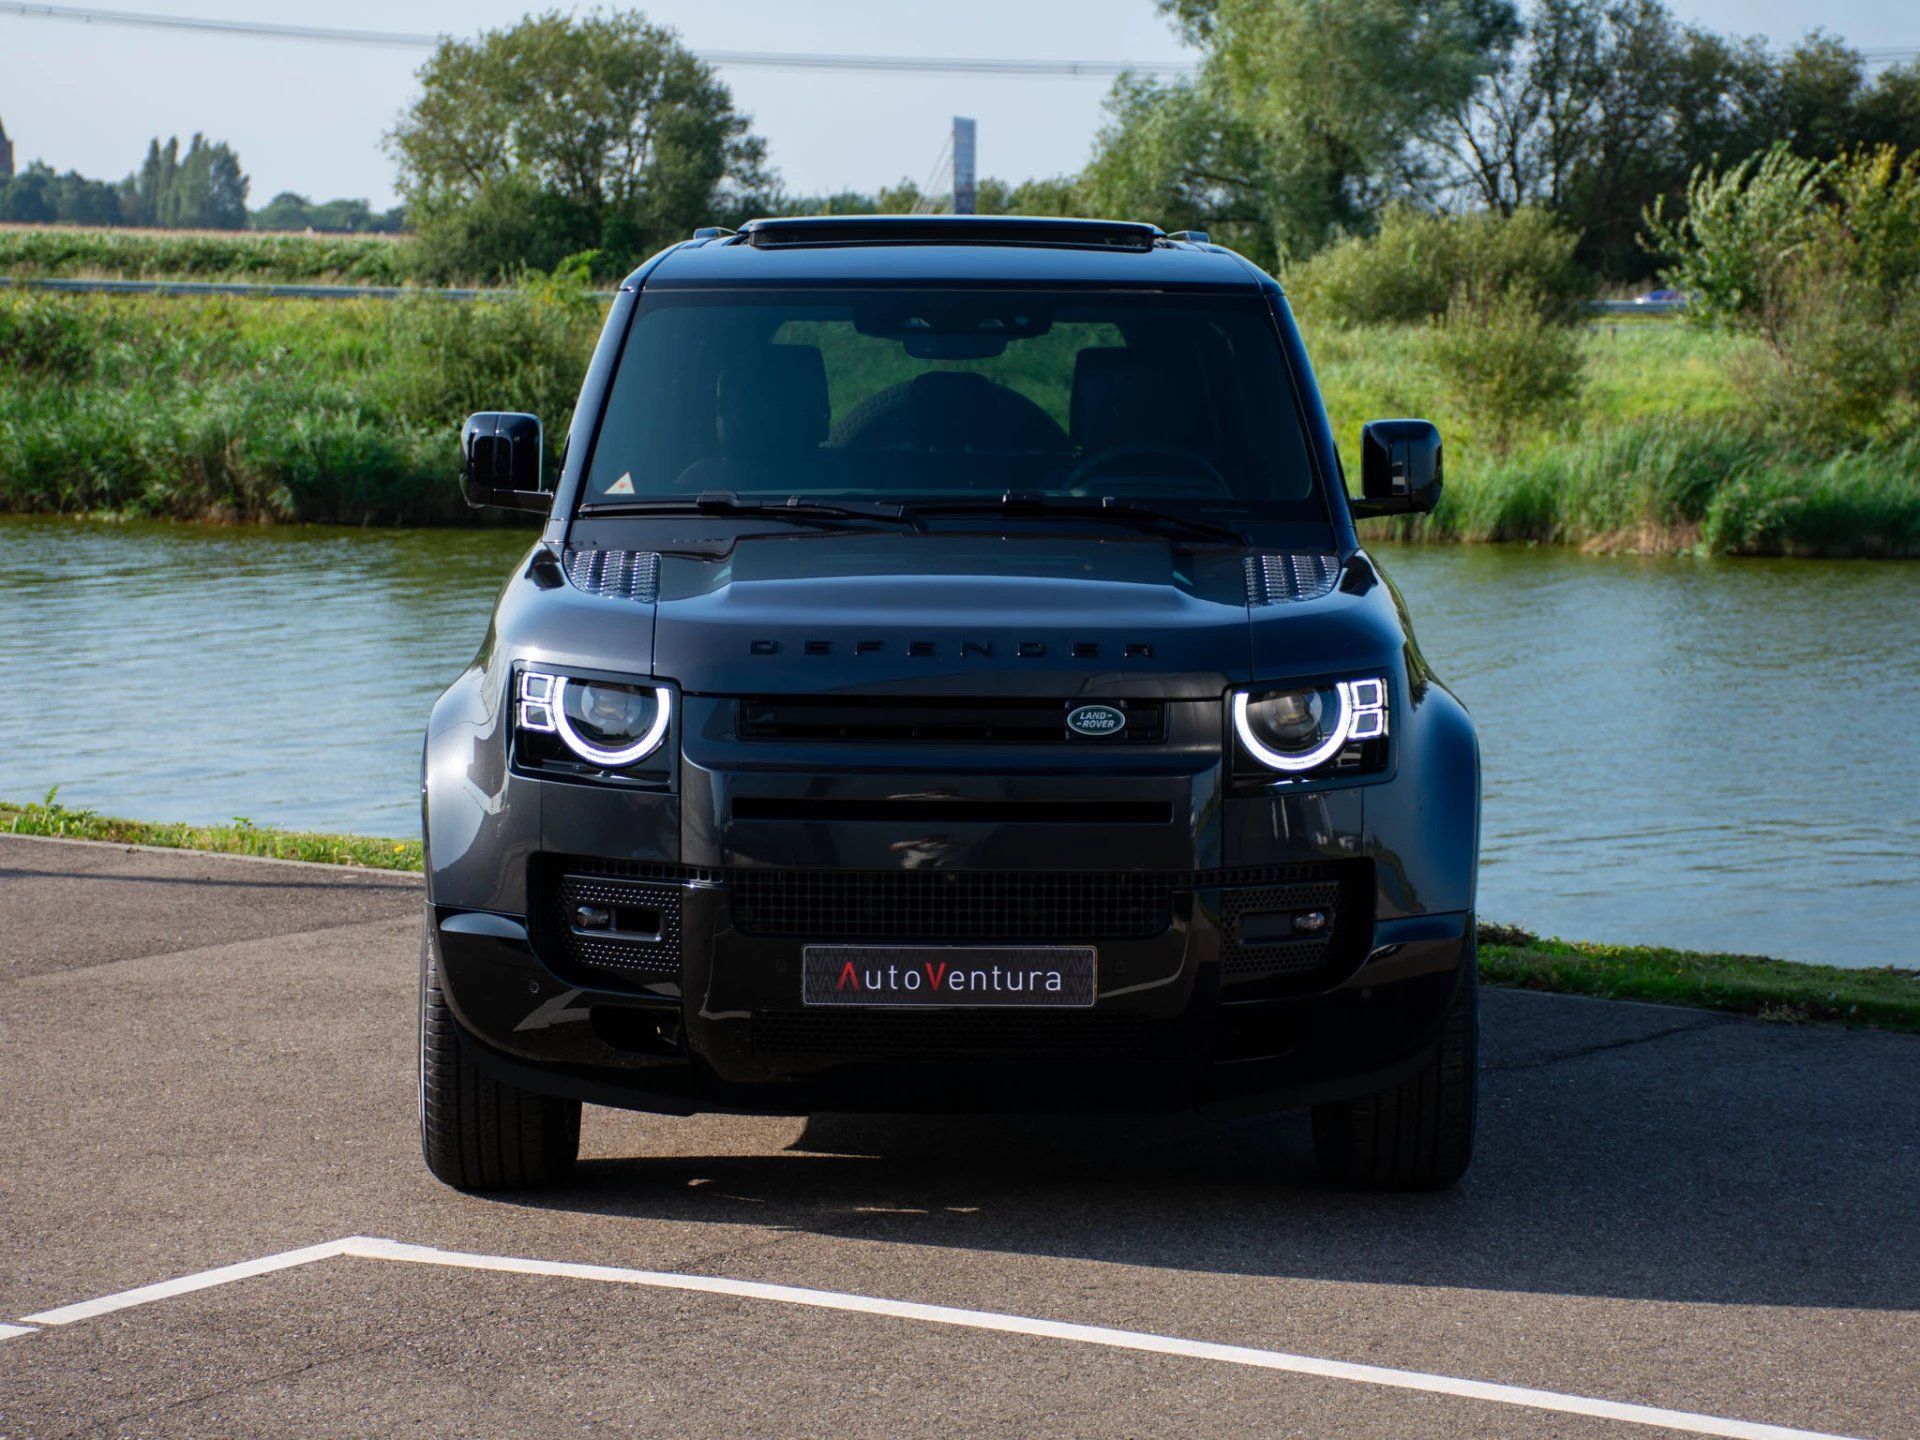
x=345, y=411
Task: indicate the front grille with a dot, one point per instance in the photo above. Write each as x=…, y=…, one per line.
x=943, y=721
x=949, y=1035
x=922, y=810
x=1002, y=906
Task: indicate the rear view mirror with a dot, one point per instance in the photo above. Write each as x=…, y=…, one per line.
x=1399, y=468
x=500, y=460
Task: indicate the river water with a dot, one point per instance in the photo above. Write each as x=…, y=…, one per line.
x=1716, y=755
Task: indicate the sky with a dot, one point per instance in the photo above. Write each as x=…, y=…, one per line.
x=310, y=117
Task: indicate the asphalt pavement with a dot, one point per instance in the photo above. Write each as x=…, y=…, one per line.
x=207, y=1061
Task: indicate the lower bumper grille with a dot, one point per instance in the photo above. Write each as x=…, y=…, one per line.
x=952, y=1035
x=957, y=907
x=951, y=905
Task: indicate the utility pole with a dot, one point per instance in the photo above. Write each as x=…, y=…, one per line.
x=965, y=190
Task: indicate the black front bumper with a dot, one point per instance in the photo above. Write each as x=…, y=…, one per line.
x=1185, y=1015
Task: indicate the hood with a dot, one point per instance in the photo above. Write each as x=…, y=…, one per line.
x=962, y=614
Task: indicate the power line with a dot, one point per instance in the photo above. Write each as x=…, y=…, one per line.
x=766, y=59
x=759, y=59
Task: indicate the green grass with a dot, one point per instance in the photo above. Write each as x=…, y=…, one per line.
x=122, y=254
x=1881, y=998
x=48, y=817
x=1777, y=990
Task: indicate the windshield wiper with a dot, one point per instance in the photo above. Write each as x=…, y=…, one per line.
x=727, y=502
x=1124, y=512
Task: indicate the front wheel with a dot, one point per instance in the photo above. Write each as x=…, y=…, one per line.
x=1417, y=1135
x=476, y=1132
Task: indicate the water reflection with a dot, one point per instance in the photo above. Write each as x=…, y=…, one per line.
x=179, y=672
x=1719, y=755
x=1710, y=754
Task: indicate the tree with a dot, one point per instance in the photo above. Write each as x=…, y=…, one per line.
x=207, y=192
x=291, y=211
x=1603, y=110
x=1183, y=156
x=27, y=199
x=562, y=135
x=1344, y=97
x=1889, y=112
x=203, y=190
x=1308, y=116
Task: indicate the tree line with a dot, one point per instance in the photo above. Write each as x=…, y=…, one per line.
x=199, y=188
x=1308, y=122
x=1310, y=119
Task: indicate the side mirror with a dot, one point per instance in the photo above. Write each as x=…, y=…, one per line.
x=500, y=460
x=1399, y=468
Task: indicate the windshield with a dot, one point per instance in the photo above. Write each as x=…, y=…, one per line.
x=955, y=395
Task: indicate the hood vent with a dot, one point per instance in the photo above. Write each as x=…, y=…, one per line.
x=620, y=574
x=1278, y=579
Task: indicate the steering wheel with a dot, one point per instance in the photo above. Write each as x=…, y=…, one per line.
x=1142, y=462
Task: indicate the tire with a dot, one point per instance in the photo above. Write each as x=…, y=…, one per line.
x=1417, y=1135
x=476, y=1132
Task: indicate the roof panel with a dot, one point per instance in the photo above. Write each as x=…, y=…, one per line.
x=855, y=250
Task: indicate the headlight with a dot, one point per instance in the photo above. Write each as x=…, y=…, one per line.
x=1303, y=729
x=606, y=722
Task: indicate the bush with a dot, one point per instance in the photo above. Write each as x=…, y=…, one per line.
x=42, y=339
x=1415, y=266
x=1666, y=485
x=522, y=351
x=1822, y=261
x=1504, y=363
x=1739, y=235
x=271, y=409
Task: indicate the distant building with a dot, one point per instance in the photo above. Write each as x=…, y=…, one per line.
x=6, y=155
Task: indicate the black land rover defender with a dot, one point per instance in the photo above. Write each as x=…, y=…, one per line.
x=949, y=679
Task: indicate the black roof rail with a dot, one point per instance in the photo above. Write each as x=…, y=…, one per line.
x=815, y=230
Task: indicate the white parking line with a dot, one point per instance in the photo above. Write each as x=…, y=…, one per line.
x=364, y=1247
x=7, y=1332
x=187, y=1284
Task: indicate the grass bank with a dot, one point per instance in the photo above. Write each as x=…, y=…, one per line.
x=291, y=410
x=123, y=254
x=1882, y=998
x=1660, y=453
x=50, y=818
x=1777, y=990
x=251, y=410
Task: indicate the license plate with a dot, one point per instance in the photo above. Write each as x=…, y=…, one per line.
x=1058, y=977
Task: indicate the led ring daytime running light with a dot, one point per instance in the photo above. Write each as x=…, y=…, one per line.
x=1342, y=732
x=587, y=750
x=599, y=755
